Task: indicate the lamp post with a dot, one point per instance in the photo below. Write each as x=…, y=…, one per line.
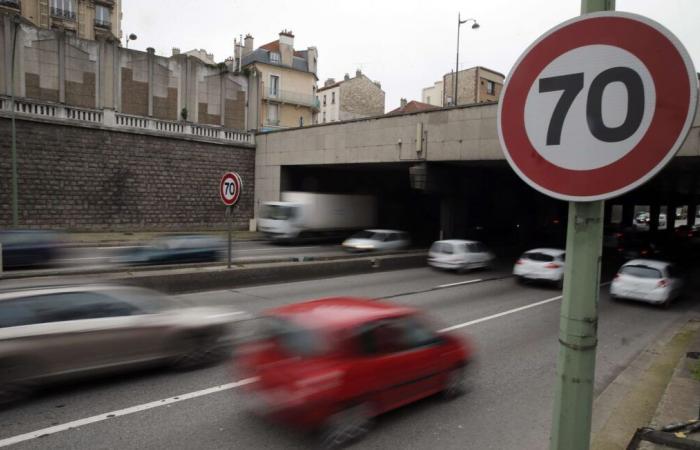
x=475, y=25
x=131, y=37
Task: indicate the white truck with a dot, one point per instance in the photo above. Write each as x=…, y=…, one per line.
x=302, y=215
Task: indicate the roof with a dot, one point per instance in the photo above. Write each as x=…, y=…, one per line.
x=653, y=263
x=340, y=312
x=330, y=86
x=547, y=251
x=262, y=55
x=411, y=107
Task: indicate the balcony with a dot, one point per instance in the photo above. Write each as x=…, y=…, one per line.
x=14, y=4
x=103, y=23
x=63, y=14
x=293, y=98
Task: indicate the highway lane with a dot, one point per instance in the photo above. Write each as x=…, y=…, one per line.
x=509, y=405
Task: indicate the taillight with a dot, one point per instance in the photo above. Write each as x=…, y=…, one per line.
x=552, y=266
x=617, y=275
x=644, y=252
x=662, y=283
x=520, y=261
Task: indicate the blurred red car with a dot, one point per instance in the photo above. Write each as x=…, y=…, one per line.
x=334, y=364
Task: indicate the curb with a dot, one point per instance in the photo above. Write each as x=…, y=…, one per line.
x=631, y=400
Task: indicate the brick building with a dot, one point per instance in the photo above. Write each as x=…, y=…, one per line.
x=476, y=85
x=350, y=98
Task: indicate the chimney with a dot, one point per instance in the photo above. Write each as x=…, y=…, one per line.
x=404, y=102
x=378, y=84
x=347, y=77
x=247, y=45
x=286, y=47
x=358, y=73
x=176, y=51
x=329, y=82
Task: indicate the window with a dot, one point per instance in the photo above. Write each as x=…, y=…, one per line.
x=324, y=114
x=273, y=114
x=540, y=257
x=427, y=99
x=301, y=121
x=641, y=272
x=490, y=87
x=442, y=247
x=324, y=100
x=395, y=335
x=103, y=16
x=64, y=9
x=275, y=58
x=274, y=85
x=332, y=98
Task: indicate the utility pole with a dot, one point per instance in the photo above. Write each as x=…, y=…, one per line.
x=454, y=92
x=578, y=327
x=13, y=132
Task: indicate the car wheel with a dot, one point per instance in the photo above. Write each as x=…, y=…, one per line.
x=13, y=387
x=347, y=426
x=454, y=386
x=560, y=284
x=195, y=350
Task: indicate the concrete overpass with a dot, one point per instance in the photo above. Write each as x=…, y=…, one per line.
x=448, y=165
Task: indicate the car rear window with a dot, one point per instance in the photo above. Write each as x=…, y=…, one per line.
x=537, y=256
x=641, y=271
x=442, y=247
x=363, y=235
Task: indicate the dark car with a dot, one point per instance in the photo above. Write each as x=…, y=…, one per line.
x=29, y=248
x=334, y=364
x=176, y=249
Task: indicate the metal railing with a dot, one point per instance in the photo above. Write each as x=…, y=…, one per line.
x=103, y=23
x=112, y=119
x=62, y=13
x=11, y=3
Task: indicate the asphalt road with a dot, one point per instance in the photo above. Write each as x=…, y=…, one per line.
x=508, y=406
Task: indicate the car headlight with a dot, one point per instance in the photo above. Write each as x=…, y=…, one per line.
x=365, y=246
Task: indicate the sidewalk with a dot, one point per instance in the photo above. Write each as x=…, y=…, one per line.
x=658, y=388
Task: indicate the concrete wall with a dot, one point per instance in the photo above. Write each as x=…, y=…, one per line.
x=56, y=67
x=463, y=133
x=81, y=178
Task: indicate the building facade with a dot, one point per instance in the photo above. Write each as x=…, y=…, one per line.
x=282, y=83
x=475, y=85
x=433, y=95
x=350, y=98
x=86, y=19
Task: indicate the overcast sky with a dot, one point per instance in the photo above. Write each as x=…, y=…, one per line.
x=406, y=45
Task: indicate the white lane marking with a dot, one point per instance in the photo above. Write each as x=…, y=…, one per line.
x=501, y=314
x=263, y=249
x=459, y=283
x=122, y=412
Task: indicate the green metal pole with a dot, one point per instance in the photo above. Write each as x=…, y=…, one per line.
x=15, y=207
x=578, y=326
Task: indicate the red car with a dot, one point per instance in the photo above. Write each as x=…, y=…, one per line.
x=334, y=364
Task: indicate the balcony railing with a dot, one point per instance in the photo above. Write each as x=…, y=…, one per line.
x=62, y=13
x=294, y=98
x=111, y=119
x=103, y=23
x=10, y=3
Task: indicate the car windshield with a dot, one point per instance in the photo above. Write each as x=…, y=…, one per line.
x=442, y=247
x=537, y=256
x=147, y=301
x=641, y=271
x=277, y=212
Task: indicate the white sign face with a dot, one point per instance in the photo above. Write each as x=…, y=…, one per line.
x=597, y=106
x=576, y=147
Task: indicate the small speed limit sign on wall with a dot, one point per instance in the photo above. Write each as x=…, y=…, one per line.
x=230, y=188
x=597, y=106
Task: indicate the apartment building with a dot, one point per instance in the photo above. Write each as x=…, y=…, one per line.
x=474, y=85
x=350, y=98
x=432, y=95
x=282, y=82
x=87, y=19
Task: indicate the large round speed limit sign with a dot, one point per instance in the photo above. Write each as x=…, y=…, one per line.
x=597, y=106
x=230, y=188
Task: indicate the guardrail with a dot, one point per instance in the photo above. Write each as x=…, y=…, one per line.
x=111, y=119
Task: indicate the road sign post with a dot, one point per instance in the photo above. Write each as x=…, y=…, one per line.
x=230, y=189
x=594, y=108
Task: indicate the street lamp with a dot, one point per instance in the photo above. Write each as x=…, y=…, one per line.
x=475, y=25
x=15, y=190
x=131, y=37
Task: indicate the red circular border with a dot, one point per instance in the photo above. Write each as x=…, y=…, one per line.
x=664, y=63
x=237, y=181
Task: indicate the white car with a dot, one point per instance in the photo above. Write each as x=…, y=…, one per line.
x=375, y=240
x=459, y=255
x=545, y=264
x=647, y=280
